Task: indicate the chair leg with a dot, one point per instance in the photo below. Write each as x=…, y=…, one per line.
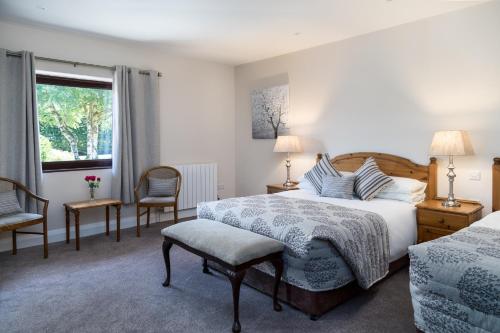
x=45, y=240
x=14, y=242
x=166, y=256
x=278, y=271
x=148, y=214
x=176, y=218
x=236, y=278
x=138, y=228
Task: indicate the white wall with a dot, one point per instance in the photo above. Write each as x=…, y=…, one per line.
x=386, y=91
x=196, y=98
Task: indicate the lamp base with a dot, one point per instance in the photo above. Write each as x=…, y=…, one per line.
x=288, y=183
x=450, y=203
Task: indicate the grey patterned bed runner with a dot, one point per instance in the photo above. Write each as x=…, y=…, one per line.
x=361, y=237
x=455, y=282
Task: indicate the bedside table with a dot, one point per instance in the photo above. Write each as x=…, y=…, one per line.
x=435, y=221
x=276, y=188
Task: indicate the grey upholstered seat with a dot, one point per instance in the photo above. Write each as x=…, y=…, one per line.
x=157, y=200
x=230, y=244
x=19, y=217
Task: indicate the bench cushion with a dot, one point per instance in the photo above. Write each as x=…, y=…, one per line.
x=230, y=244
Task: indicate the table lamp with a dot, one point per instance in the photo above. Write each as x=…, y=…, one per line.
x=451, y=143
x=287, y=144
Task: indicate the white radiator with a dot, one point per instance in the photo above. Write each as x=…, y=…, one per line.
x=199, y=183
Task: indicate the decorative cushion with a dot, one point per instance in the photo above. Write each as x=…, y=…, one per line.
x=11, y=219
x=322, y=168
x=230, y=244
x=9, y=203
x=157, y=200
x=338, y=187
x=162, y=187
x=370, y=180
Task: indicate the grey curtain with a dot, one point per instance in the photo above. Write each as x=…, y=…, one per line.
x=19, y=149
x=136, y=137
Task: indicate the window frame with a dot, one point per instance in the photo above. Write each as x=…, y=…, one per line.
x=60, y=166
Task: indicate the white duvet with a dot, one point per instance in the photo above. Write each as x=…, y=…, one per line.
x=400, y=217
x=489, y=221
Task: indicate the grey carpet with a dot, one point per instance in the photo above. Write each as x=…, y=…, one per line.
x=116, y=287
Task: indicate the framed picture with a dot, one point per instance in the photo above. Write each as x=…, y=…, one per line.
x=270, y=109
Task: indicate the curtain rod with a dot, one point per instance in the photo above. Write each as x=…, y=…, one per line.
x=74, y=63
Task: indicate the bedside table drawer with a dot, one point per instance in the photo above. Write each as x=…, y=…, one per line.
x=426, y=234
x=442, y=220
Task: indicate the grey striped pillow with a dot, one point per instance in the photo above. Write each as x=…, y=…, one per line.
x=338, y=187
x=321, y=169
x=370, y=180
x=9, y=203
x=162, y=187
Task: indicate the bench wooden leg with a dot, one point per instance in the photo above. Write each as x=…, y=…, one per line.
x=278, y=271
x=166, y=256
x=147, y=217
x=205, y=266
x=14, y=242
x=236, y=278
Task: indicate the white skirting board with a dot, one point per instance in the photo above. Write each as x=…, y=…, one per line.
x=88, y=229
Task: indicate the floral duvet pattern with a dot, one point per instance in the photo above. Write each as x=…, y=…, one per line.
x=361, y=238
x=455, y=282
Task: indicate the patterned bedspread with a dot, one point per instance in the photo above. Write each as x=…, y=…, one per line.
x=455, y=282
x=361, y=237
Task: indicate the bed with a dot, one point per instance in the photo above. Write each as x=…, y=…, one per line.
x=455, y=280
x=317, y=280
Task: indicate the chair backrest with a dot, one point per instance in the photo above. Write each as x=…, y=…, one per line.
x=162, y=172
x=6, y=184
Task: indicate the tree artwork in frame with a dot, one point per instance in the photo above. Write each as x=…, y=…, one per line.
x=270, y=109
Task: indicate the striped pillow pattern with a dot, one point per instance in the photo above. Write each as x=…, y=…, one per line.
x=370, y=180
x=338, y=187
x=9, y=203
x=321, y=169
x=161, y=187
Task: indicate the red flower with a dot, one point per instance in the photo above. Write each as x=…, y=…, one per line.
x=87, y=178
x=98, y=179
x=92, y=178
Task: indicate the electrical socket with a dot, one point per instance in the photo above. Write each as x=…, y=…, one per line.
x=220, y=186
x=475, y=175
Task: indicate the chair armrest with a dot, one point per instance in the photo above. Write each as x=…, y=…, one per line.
x=34, y=196
x=137, y=189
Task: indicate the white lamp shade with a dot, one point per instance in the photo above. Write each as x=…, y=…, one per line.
x=287, y=144
x=451, y=143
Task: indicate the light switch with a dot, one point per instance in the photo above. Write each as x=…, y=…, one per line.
x=475, y=175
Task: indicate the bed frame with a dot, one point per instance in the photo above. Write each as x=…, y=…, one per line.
x=496, y=184
x=316, y=304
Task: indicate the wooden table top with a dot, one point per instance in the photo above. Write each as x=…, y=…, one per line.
x=92, y=203
x=467, y=207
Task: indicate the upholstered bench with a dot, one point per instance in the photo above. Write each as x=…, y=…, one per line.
x=234, y=249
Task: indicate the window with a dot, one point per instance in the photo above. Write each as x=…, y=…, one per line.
x=75, y=123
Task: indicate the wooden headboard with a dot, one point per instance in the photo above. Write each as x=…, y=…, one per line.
x=396, y=166
x=496, y=184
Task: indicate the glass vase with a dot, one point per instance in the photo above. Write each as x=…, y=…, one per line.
x=92, y=193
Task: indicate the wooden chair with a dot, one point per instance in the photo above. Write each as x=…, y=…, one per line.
x=143, y=200
x=12, y=222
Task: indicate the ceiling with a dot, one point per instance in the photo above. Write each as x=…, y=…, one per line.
x=227, y=31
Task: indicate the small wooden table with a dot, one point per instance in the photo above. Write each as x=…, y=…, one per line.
x=75, y=207
x=276, y=188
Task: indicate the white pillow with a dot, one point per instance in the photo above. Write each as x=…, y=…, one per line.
x=406, y=197
x=306, y=185
x=405, y=186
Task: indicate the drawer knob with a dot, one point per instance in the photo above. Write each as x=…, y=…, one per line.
x=441, y=221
